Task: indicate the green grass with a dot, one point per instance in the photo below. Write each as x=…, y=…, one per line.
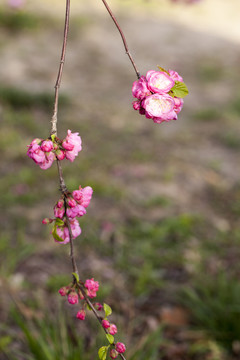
x=207, y=114
x=19, y=98
x=215, y=307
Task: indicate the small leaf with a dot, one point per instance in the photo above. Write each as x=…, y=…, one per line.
x=180, y=89
x=110, y=338
x=107, y=310
x=59, y=222
x=163, y=70
x=76, y=276
x=102, y=352
x=88, y=307
x=53, y=137
x=55, y=235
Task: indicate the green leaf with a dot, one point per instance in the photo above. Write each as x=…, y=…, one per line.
x=55, y=235
x=110, y=338
x=102, y=352
x=107, y=310
x=59, y=222
x=89, y=307
x=180, y=89
x=76, y=276
x=163, y=70
x=53, y=137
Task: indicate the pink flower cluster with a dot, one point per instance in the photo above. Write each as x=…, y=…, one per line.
x=74, y=206
x=158, y=95
x=73, y=295
x=120, y=348
x=44, y=152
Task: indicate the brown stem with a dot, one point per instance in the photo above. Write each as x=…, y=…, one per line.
x=123, y=38
x=63, y=187
x=81, y=288
x=60, y=71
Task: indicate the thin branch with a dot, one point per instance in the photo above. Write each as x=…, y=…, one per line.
x=60, y=71
x=63, y=187
x=123, y=38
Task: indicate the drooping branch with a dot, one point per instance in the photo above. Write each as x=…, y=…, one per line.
x=60, y=71
x=63, y=187
x=123, y=38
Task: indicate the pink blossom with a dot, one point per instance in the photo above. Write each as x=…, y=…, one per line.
x=60, y=154
x=98, y=306
x=178, y=104
x=60, y=203
x=73, y=144
x=49, y=158
x=136, y=105
x=76, y=211
x=81, y=315
x=105, y=324
x=92, y=287
x=112, y=329
x=72, y=298
x=120, y=347
x=63, y=291
x=140, y=88
x=113, y=354
x=47, y=145
x=59, y=212
x=71, y=202
x=160, y=108
x=174, y=75
x=159, y=82
x=34, y=151
x=83, y=196
x=43, y=159
x=62, y=231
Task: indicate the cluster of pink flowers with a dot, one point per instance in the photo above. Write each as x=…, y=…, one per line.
x=74, y=206
x=44, y=152
x=159, y=95
x=74, y=294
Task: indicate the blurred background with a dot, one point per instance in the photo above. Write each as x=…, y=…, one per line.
x=162, y=232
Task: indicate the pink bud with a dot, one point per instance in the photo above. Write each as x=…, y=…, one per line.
x=105, y=324
x=63, y=291
x=113, y=353
x=71, y=202
x=98, y=306
x=60, y=154
x=81, y=315
x=72, y=298
x=120, y=347
x=47, y=221
x=47, y=145
x=60, y=204
x=112, y=329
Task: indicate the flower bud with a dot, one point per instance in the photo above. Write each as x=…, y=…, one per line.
x=63, y=291
x=60, y=154
x=113, y=353
x=47, y=221
x=71, y=202
x=112, y=329
x=47, y=145
x=120, y=347
x=72, y=298
x=81, y=315
x=105, y=324
x=98, y=306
